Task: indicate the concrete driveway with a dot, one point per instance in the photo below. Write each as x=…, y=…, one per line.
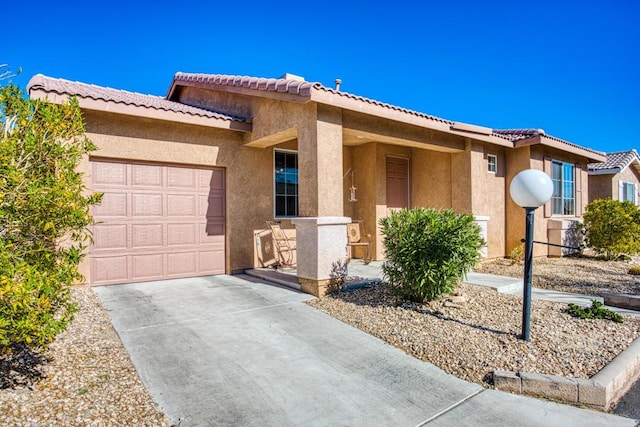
x=233, y=350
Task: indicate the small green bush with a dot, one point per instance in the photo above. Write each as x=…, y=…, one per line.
x=428, y=251
x=612, y=227
x=635, y=270
x=596, y=311
x=517, y=254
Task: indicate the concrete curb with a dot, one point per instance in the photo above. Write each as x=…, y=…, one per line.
x=630, y=302
x=601, y=391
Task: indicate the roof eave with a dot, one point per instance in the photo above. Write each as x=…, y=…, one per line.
x=241, y=90
x=555, y=143
x=140, y=111
x=611, y=171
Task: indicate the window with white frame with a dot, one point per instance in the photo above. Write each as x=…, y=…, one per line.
x=492, y=163
x=563, y=200
x=286, y=183
x=628, y=192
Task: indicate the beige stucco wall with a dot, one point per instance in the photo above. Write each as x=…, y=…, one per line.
x=489, y=197
x=601, y=187
x=431, y=177
x=127, y=138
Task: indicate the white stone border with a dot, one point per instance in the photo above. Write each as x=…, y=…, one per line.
x=601, y=391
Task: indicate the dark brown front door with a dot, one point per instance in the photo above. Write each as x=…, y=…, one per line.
x=397, y=183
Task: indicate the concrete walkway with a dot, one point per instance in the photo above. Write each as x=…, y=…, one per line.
x=359, y=273
x=234, y=350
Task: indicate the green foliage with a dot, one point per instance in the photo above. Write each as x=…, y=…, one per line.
x=428, y=251
x=517, y=254
x=44, y=215
x=635, y=270
x=596, y=311
x=612, y=227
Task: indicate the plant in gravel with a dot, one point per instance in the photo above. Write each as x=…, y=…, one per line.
x=44, y=215
x=517, y=254
x=428, y=251
x=338, y=275
x=612, y=227
x=596, y=311
x=635, y=270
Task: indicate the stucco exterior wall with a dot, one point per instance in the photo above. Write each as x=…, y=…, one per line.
x=231, y=103
x=517, y=160
x=601, y=187
x=431, y=177
x=489, y=197
x=125, y=138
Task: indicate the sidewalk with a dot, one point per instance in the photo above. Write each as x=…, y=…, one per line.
x=361, y=274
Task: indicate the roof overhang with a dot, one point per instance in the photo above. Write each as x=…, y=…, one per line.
x=561, y=145
x=141, y=111
x=611, y=171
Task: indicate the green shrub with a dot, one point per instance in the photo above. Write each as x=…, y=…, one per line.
x=44, y=215
x=428, y=251
x=635, y=270
x=596, y=311
x=517, y=254
x=612, y=227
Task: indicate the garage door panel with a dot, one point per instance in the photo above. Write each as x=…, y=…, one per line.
x=212, y=229
x=146, y=175
x=147, y=266
x=156, y=221
x=214, y=180
x=204, y=178
x=215, y=206
x=181, y=205
x=211, y=262
x=110, y=236
x=181, y=178
x=111, y=174
x=111, y=269
x=182, y=263
x=146, y=204
x=181, y=234
x=146, y=235
x=113, y=205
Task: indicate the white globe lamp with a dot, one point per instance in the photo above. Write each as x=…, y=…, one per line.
x=529, y=189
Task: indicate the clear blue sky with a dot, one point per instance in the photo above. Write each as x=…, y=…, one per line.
x=571, y=68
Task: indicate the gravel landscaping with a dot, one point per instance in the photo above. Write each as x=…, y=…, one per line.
x=475, y=333
x=583, y=275
x=88, y=379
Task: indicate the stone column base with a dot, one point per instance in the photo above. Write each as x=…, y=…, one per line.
x=318, y=288
x=320, y=243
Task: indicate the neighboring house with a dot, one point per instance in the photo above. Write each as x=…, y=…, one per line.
x=616, y=178
x=188, y=178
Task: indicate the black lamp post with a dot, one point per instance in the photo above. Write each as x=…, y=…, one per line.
x=529, y=189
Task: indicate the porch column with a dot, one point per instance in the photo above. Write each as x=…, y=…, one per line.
x=321, y=242
x=321, y=231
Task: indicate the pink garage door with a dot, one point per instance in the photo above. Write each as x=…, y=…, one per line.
x=156, y=222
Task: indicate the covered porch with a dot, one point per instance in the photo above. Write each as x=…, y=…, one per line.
x=350, y=166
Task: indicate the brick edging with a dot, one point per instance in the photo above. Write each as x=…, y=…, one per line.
x=601, y=391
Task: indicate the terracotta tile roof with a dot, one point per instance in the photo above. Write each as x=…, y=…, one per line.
x=518, y=134
x=616, y=162
x=292, y=86
x=286, y=85
x=83, y=90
